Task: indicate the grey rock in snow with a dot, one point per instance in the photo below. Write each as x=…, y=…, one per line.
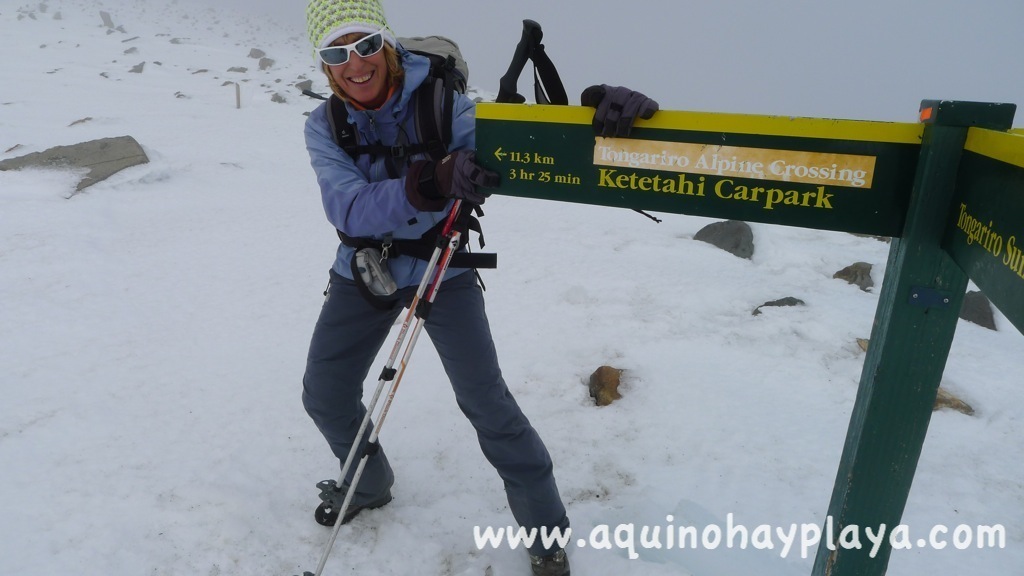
x=858, y=274
x=732, y=236
x=787, y=301
x=978, y=309
x=103, y=158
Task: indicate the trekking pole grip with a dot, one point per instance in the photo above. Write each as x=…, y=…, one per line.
x=508, y=86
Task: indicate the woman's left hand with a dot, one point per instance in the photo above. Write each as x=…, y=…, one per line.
x=617, y=109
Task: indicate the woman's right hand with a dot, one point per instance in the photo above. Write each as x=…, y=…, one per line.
x=457, y=175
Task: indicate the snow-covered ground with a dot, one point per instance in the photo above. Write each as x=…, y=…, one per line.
x=153, y=332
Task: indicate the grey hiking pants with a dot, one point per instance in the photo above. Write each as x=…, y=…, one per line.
x=345, y=342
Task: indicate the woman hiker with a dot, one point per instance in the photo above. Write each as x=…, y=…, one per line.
x=375, y=77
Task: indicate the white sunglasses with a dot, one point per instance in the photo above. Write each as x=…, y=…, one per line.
x=365, y=47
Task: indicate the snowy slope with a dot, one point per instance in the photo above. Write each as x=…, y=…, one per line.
x=154, y=330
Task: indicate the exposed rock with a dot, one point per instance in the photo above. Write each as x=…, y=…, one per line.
x=278, y=98
x=858, y=274
x=978, y=309
x=732, y=236
x=103, y=158
x=241, y=69
x=12, y=148
x=863, y=343
x=885, y=239
x=945, y=399
x=137, y=69
x=81, y=121
x=604, y=385
x=256, y=53
x=787, y=301
x=107, y=20
x=266, y=63
x=304, y=85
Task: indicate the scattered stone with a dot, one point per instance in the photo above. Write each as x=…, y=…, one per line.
x=266, y=63
x=604, y=385
x=131, y=50
x=12, y=148
x=256, y=53
x=863, y=343
x=278, y=98
x=787, y=301
x=201, y=71
x=107, y=21
x=57, y=16
x=304, y=85
x=80, y=121
x=858, y=274
x=103, y=158
x=178, y=40
x=978, y=309
x=180, y=95
x=885, y=239
x=945, y=399
x=130, y=39
x=240, y=69
x=137, y=69
x=732, y=236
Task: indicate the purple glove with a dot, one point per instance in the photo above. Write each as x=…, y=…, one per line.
x=617, y=108
x=429, y=184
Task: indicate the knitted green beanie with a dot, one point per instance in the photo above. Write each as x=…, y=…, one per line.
x=329, y=20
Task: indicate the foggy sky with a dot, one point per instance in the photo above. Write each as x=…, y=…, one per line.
x=870, y=60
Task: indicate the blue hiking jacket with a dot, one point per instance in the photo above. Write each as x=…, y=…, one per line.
x=359, y=197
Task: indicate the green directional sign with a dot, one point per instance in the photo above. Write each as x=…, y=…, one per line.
x=985, y=233
x=850, y=176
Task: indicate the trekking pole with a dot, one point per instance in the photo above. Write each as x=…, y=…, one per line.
x=547, y=85
x=419, y=309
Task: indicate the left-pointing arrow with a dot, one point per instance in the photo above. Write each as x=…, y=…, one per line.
x=500, y=155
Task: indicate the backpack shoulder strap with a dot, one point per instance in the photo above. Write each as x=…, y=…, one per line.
x=432, y=108
x=343, y=131
x=434, y=111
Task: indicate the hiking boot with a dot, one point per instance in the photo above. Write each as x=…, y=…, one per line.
x=556, y=564
x=327, y=512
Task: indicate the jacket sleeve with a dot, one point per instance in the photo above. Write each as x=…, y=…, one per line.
x=352, y=203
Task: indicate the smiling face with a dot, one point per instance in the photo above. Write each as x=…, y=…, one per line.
x=363, y=80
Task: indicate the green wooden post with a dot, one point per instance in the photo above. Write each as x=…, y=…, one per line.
x=917, y=313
